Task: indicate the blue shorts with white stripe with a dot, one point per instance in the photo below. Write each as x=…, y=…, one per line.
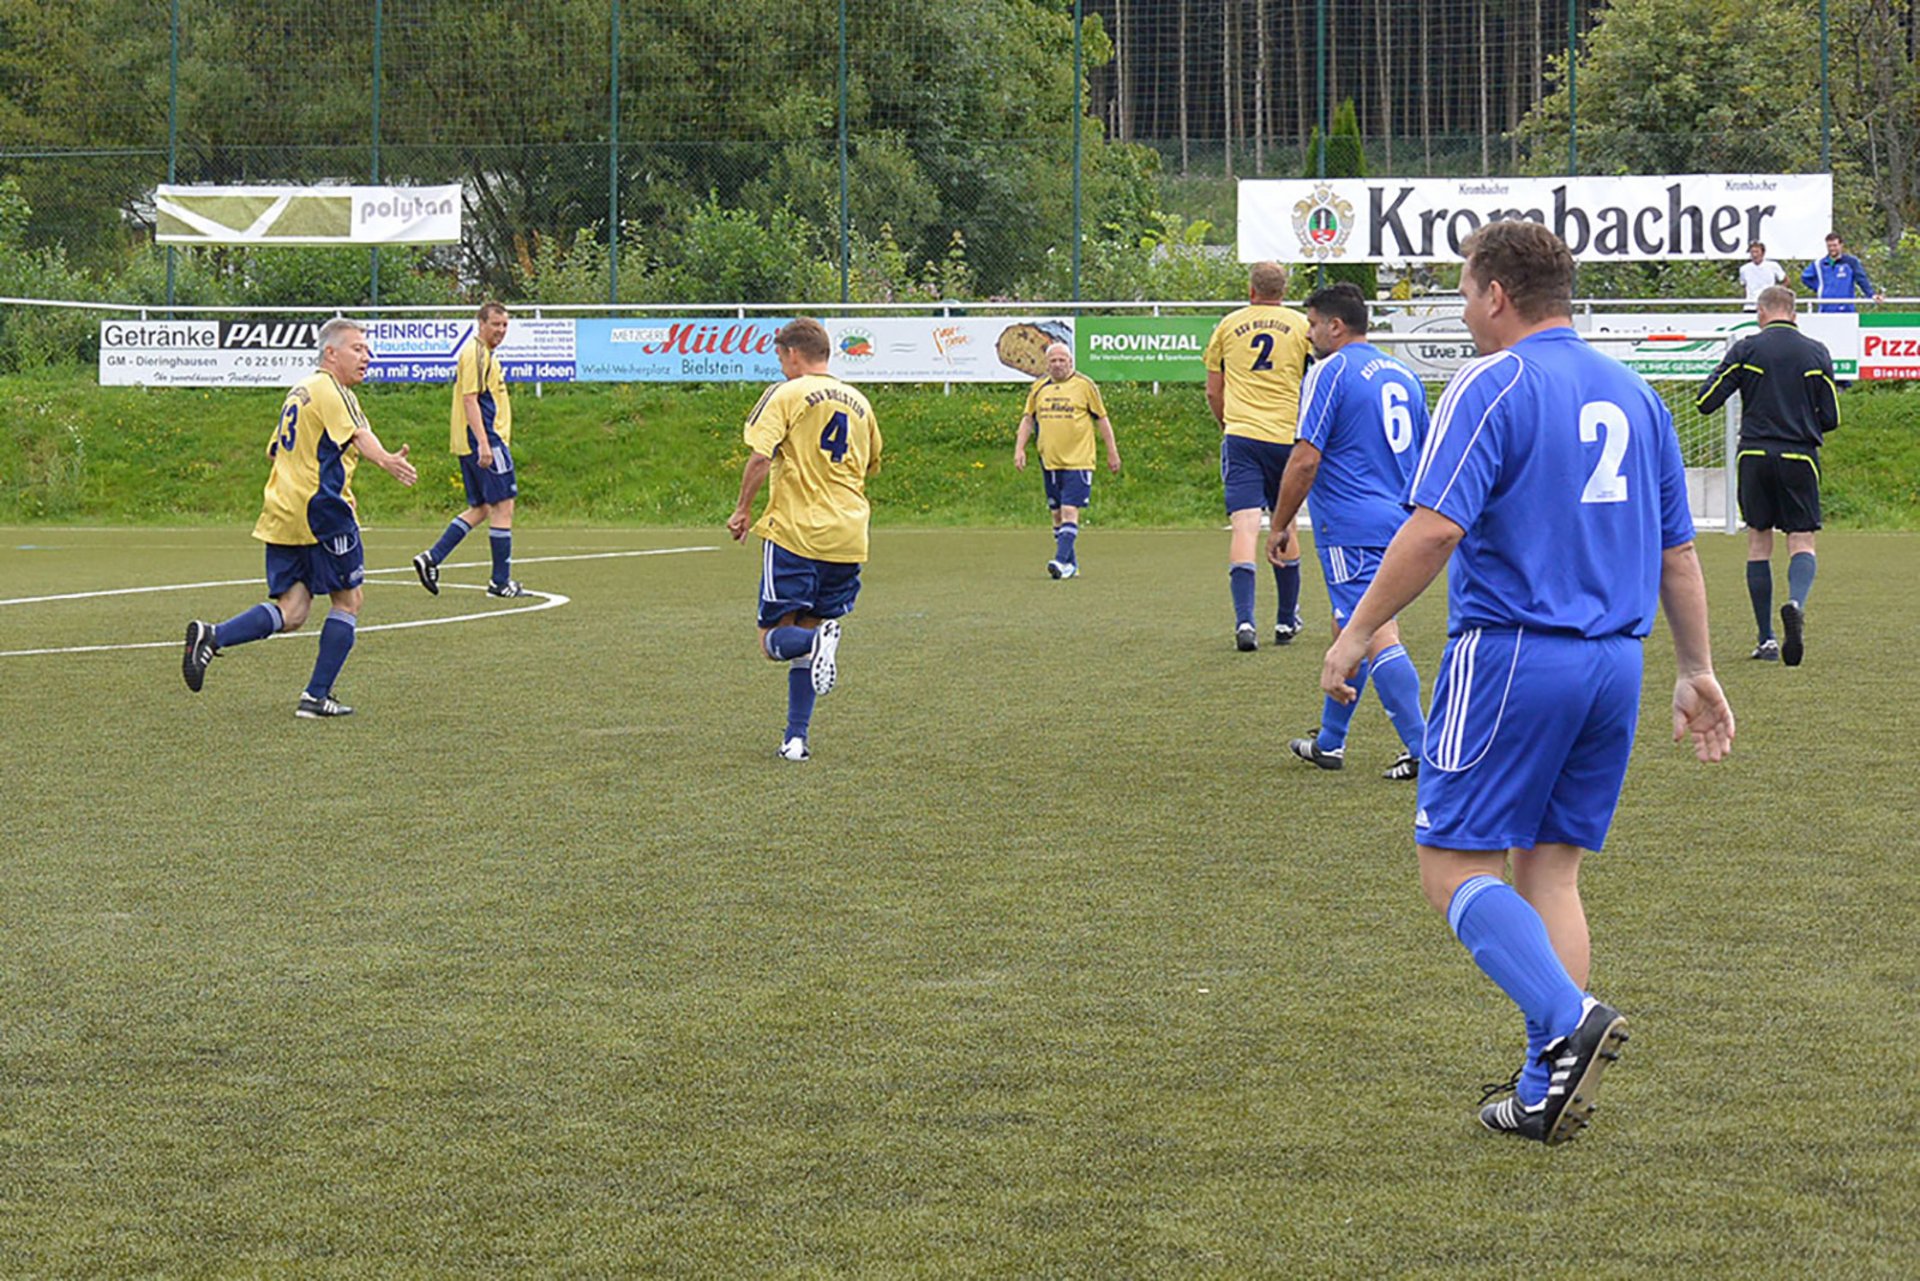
x=794, y=584
x=1349, y=572
x=1527, y=739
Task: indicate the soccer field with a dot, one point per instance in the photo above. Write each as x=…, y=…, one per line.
x=1050, y=963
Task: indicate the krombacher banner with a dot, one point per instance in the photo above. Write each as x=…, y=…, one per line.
x=1633, y=219
x=307, y=215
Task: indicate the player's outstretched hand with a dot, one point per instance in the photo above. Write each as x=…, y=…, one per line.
x=738, y=524
x=400, y=469
x=1701, y=711
x=1343, y=660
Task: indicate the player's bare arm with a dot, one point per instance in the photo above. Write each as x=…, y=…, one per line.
x=1303, y=468
x=1700, y=707
x=394, y=463
x=1020, y=440
x=752, y=476
x=1113, y=450
x=482, y=449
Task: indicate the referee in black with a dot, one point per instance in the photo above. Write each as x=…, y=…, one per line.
x=1788, y=404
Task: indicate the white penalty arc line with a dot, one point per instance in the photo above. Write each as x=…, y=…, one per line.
x=402, y=569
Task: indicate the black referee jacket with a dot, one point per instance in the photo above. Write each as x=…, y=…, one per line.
x=1785, y=381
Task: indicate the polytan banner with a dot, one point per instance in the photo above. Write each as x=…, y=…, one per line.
x=1629, y=219
x=306, y=215
x=279, y=353
x=995, y=349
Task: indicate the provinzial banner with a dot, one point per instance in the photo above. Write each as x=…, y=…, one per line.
x=307, y=215
x=1629, y=219
x=1144, y=348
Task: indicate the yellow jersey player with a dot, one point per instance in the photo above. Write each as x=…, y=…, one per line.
x=480, y=436
x=308, y=521
x=1255, y=361
x=817, y=439
x=1066, y=408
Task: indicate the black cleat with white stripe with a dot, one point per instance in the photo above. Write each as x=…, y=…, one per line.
x=200, y=652
x=1577, y=1061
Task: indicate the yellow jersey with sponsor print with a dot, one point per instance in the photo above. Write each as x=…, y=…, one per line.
x=824, y=442
x=476, y=372
x=1262, y=351
x=313, y=461
x=1064, y=412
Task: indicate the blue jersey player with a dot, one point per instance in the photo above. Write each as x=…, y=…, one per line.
x=1551, y=488
x=1363, y=417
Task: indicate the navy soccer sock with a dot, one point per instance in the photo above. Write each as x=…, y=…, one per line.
x=785, y=643
x=1508, y=941
x=1240, y=578
x=336, y=641
x=501, y=541
x=800, y=698
x=1800, y=569
x=258, y=623
x=1287, y=579
x=456, y=530
x=1064, y=535
x=1336, y=716
x=1760, y=588
x=1397, y=681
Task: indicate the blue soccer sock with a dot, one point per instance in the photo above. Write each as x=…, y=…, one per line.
x=501, y=541
x=800, y=698
x=1397, y=681
x=1508, y=941
x=786, y=643
x=1535, y=1075
x=1800, y=569
x=258, y=623
x=1760, y=588
x=1240, y=578
x=336, y=642
x=1287, y=579
x=456, y=530
x=1064, y=535
x=1336, y=716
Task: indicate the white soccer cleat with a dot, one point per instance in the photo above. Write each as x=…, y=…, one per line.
x=794, y=749
x=826, y=643
x=1069, y=569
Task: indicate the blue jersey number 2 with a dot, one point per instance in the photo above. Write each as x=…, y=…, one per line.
x=833, y=438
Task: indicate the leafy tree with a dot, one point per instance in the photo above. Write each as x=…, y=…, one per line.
x=1346, y=158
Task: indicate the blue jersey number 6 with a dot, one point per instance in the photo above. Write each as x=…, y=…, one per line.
x=833, y=437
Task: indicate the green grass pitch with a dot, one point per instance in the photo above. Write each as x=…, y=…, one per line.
x=1050, y=962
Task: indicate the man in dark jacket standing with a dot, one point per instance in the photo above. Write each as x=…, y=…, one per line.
x=1788, y=404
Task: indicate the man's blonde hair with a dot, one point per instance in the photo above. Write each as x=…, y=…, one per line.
x=1268, y=281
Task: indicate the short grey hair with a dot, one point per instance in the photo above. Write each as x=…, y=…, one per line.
x=334, y=330
x=1775, y=300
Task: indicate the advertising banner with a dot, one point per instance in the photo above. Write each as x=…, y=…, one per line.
x=306, y=215
x=994, y=349
x=1889, y=345
x=278, y=353
x=1169, y=349
x=1621, y=219
x=657, y=350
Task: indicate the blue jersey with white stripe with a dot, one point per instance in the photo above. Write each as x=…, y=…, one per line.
x=1367, y=415
x=1563, y=467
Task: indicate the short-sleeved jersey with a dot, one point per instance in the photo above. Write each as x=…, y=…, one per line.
x=477, y=373
x=309, y=492
x=1262, y=352
x=1563, y=468
x=824, y=442
x=1367, y=415
x=1064, y=413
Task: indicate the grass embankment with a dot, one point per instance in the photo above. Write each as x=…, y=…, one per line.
x=665, y=455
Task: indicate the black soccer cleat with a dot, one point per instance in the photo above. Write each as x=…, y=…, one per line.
x=1576, y=1062
x=429, y=572
x=1793, y=622
x=1308, y=750
x=509, y=590
x=200, y=652
x=1767, y=651
x=1284, y=634
x=1244, y=640
x=1404, y=769
x=320, y=709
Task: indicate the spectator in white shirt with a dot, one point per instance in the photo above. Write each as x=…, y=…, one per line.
x=1758, y=272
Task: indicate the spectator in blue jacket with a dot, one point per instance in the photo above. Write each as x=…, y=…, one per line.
x=1838, y=275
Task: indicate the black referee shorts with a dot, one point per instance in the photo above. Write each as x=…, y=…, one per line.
x=1780, y=488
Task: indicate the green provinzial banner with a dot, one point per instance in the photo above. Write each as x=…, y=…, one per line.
x=307, y=215
x=1170, y=349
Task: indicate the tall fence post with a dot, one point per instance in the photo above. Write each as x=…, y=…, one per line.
x=1078, y=111
x=1826, y=97
x=173, y=120
x=846, y=216
x=1573, y=88
x=613, y=157
x=379, y=25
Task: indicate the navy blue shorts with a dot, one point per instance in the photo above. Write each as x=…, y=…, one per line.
x=488, y=485
x=1349, y=572
x=795, y=584
x=1250, y=472
x=335, y=565
x=1068, y=488
x=1527, y=740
